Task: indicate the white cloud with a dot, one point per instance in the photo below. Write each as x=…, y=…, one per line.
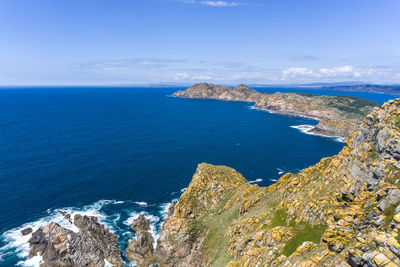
x=201, y=77
x=297, y=72
x=342, y=72
x=347, y=71
x=220, y=3
x=181, y=76
x=213, y=3
x=132, y=63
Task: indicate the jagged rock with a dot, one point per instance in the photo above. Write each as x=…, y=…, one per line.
x=62, y=247
x=171, y=208
x=26, y=231
x=141, y=223
x=141, y=248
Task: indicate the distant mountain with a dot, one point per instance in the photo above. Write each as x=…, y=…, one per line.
x=373, y=88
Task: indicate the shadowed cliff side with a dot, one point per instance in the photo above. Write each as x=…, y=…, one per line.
x=338, y=115
x=342, y=211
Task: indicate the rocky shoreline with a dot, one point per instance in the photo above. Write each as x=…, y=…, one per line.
x=343, y=211
x=338, y=115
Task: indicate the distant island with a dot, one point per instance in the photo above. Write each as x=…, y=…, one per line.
x=338, y=115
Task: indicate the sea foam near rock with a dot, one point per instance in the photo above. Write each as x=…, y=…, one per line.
x=256, y=181
x=304, y=128
x=17, y=244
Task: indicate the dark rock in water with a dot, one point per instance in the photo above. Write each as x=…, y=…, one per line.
x=66, y=215
x=141, y=249
x=91, y=246
x=26, y=231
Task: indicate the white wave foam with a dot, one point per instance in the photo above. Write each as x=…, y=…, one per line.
x=307, y=130
x=17, y=244
x=153, y=222
x=141, y=203
x=280, y=171
x=273, y=180
x=256, y=181
x=183, y=189
x=164, y=208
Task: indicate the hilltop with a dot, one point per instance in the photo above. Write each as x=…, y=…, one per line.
x=338, y=115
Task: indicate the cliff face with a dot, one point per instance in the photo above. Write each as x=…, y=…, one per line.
x=342, y=211
x=338, y=115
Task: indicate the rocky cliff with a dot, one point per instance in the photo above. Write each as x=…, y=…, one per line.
x=344, y=211
x=338, y=115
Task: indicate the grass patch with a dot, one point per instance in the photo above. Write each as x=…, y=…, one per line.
x=304, y=232
x=389, y=213
x=397, y=237
x=396, y=119
x=304, y=94
x=279, y=219
x=172, y=238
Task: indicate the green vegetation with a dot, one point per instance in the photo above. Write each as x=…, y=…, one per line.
x=351, y=104
x=304, y=232
x=398, y=237
x=396, y=120
x=305, y=94
x=172, y=238
x=389, y=214
x=279, y=219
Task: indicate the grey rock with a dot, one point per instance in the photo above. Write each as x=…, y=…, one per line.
x=91, y=246
x=141, y=249
x=141, y=223
x=26, y=231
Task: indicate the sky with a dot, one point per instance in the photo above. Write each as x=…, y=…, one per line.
x=118, y=42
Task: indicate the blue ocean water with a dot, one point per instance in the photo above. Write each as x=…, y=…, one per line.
x=115, y=152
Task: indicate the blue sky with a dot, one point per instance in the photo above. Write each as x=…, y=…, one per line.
x=108, y=42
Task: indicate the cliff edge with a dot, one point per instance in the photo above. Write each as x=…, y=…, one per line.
x=344, y=211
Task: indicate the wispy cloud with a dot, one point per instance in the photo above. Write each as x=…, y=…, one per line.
x=132, y=63
x=213, y=3
x=237, y=66
x=305, y=58
x=333, y=73
x=220, y=3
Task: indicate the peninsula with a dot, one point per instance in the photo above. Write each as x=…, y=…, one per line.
x=338, y=115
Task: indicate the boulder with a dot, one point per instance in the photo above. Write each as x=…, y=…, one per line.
x=26, y=231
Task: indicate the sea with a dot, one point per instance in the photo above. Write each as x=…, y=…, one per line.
x=117, y=152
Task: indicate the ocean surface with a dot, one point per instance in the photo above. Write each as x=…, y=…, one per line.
x=116, y=152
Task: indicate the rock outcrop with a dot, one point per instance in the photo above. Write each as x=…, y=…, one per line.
x=141, y=249
x=344, y=211
x=338, y=115
x=91, y=246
